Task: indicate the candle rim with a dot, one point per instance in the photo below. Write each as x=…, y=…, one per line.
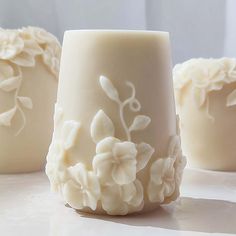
x=121, y=31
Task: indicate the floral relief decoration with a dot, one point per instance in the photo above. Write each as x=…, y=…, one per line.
x=204, y=76
x=19, y=48
x=112, y=180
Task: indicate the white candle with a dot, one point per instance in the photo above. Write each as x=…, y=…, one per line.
x=29, y=63
x=206, y=98
x=115, y=143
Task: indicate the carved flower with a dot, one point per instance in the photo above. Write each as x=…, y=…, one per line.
x=120, y=199
x=56, y=158
x=51, y=57
x=11, y=44
x=115, y=161
x=205, y=75
x=55, y=168
x=162, y=181
x=83, y=189
x=166, y=174
x=40, y=35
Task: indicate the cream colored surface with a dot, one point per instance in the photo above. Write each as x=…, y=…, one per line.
x=25, y=136
x=206, y=207
x=208, y=131
x=142, y=58
x=94, y=160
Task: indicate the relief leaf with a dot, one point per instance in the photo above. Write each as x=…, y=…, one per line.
x=140, y=122
x=231, y=99
x=145, y=152
x=69, y=133
x=199, y=96
x=109, y=88
x=10, y=84
x=26, y=102
x=24, y=59
x=6, y=117
x=101, y=127
x=32, y=48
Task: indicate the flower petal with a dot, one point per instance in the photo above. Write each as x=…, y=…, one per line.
x=156, y=171
x=106, y=144
x=24, y=59
x=128, y=192
x=137, y=199
x=145, y=152
x=155, y=192
x=6, y=70
x=112, y=202
x=199, y=96
x=102, y=165
x=124, y=173
x=133, y=193
x=79, y=173
x=73, y=195
x=69, y=133
x=93, y=192
x=90, y=200
x=124, y=149
x=174, y=146
x=94, y=185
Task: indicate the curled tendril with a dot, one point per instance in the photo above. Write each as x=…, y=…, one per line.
x=134, y=105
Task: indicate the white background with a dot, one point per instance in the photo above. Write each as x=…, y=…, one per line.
x=198, y=28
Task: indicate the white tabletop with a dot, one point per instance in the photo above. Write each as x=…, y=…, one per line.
x=207, y=205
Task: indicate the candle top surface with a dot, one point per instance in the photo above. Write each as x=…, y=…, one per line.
x=111, y=32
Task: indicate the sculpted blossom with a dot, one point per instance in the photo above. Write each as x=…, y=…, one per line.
x=51, y=57
x=40, y=35
x=115, y=161
x=56, y=162
x=82, y=189
x=166, y=173
x=204, y=75
x=11, y=44
x=162, y=182
x=121, y=199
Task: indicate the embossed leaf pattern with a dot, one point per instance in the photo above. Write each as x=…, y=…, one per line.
x=69, y=133
x=10, y=84
x=24, y=59
x=101, y=127
x=19, y=48
x=32, y=48
x=140, y=122
x=109, y=88
x=199, y=95
x=144, y=154
x=26, y=102
x=6, y=117
x=231, y=99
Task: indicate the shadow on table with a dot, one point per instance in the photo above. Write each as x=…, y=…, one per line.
x=187, y=214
